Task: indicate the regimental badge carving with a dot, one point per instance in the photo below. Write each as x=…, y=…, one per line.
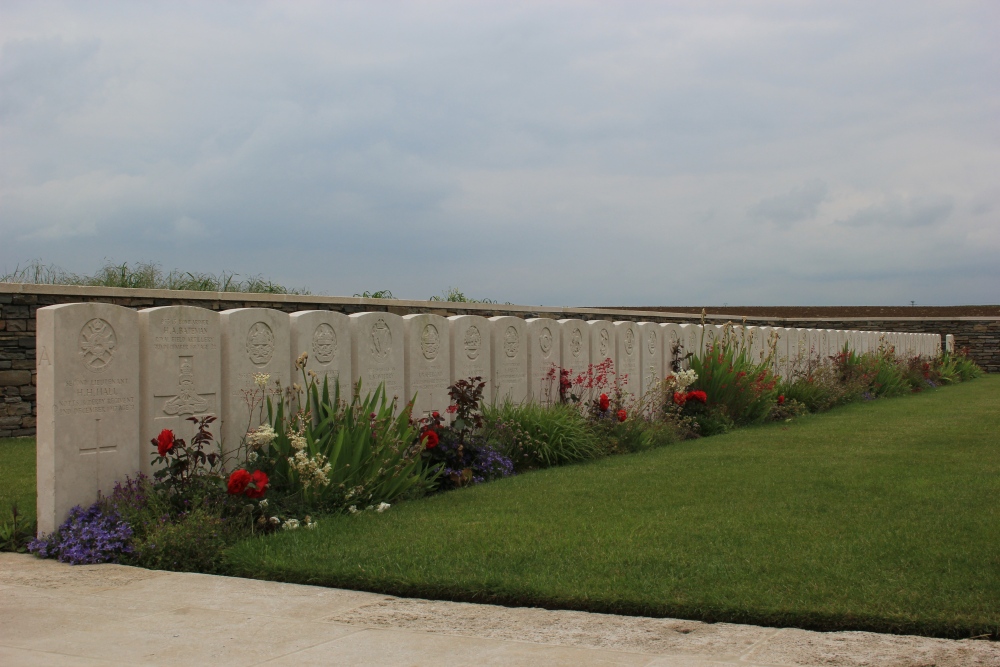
x=576, y=342
x=260, y=343
x=545, y=341
x=674, y=338
x=97, y=344
x=651, y=342
x=511, y=342
x=324, y=343
x=187, y=401
x=629, y=341
x=709, y=337
x=604, y=344
x=430, y=342
x=473, y=342
x=380, y=344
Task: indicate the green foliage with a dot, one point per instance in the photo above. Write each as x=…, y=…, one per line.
x=16, y=530
x=145, y=275
x=536, y=436
x=739, y=390
x=378, y=294
x=193, y=542
x=454, y=295
x=329, y=453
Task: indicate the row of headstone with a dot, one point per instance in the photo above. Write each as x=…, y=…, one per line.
x=111, y=378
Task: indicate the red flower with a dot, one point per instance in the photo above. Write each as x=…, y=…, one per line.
x=258, y=481
x=605, y=403
x=679, y=398
x=452, y=409
x=165, y=441
x=436, y=414
x=622, y=415
x=238, y=482
x=781, y=399
x=697, y=395
x=430, y=439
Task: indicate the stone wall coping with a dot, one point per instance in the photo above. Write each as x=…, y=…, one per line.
x=556, y=312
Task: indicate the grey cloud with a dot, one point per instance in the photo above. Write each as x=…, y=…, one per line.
x=908, y=213
x=798, y=205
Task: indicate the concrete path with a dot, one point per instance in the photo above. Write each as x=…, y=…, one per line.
x=54, y=614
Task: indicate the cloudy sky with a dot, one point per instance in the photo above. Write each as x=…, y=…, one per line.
x=556, y=153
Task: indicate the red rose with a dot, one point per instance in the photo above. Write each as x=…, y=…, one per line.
x=436, y=414
x=430, y=439
x=781, y=399
x=605, y=403
x=165, y=441
x=697, y=395
x=258, y=487
x=238, y=482
x=679, y=398
x=622, y=415
x=452, y=409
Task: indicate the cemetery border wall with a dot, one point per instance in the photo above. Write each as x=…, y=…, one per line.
x=19, y=304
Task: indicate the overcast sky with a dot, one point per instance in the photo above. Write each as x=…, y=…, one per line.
x=556, y=153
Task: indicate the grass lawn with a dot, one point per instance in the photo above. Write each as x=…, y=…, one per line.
x=880, y=516
x=17, y=461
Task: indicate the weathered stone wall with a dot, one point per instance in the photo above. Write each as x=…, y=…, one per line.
x=19, y=303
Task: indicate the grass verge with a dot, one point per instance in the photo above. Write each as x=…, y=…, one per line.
x=17, y=461
x=879, y=516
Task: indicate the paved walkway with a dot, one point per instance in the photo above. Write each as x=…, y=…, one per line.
x=86, y=616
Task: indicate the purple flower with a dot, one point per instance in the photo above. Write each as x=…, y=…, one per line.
x=94, y=535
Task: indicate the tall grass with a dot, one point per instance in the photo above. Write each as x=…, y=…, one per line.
x=145, y=275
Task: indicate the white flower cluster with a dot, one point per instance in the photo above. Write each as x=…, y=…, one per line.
x=260, y=379
x=313, y=471
x=353, y=509
x=261, y=437
x=293, y=524
x=297, y=441
x=684, y=379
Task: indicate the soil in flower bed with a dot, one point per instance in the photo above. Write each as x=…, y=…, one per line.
x=876, y=516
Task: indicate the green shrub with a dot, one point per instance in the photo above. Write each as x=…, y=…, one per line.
x=193, y=542
x=16, y=530
x=739, y=390
x=330, y=454
x=536, y=436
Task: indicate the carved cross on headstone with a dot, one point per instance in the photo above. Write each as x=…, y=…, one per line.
x=95, y=449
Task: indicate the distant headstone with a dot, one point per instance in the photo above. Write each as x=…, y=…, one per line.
x=471, y=350
x=510, y=359
x=694, y=344
x=428, y=363
x=650, y=355
x=180, y=365
x=325, y=337
x=377, y=357
x=602, y=342
x=254, y=342
x=627, y=353
x=575, y=345
x=88, y=436
x=544, y=354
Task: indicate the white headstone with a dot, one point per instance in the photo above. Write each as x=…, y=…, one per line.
x=650, y=336
x=575, y=346
x=428, y=363
x=761, y=343
x=543, y=351
x=377, y=342
x=510, y=359
x=602, y=342
x=254, y=342
x=694, y=344
x=627, y=352
x=780, y=359
x=949, y=343
x=471, y=350
x=325, y=336
x=712, y=333
x=180, y=364
x=674, y=337
x=87, y=356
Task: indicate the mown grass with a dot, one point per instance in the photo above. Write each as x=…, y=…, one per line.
x=878, y=516
x=17, y=461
